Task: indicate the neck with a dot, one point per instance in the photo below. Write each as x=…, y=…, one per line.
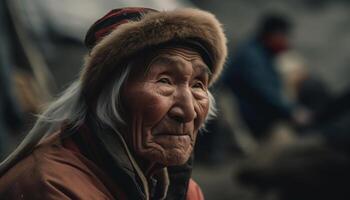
x=148, y=168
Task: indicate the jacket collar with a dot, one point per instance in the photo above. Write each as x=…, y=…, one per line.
x=109, y=151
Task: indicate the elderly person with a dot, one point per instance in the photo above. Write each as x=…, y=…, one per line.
x=127, y=127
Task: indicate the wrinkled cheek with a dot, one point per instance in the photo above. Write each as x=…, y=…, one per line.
x=155, y=110
x=202, y=110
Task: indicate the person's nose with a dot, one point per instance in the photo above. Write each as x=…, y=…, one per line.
x=183, y=109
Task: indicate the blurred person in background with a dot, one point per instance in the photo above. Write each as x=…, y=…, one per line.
x=126, y=128
x=255, y=81
x=315, y=165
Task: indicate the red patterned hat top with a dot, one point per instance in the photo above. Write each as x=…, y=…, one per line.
x=112, y=20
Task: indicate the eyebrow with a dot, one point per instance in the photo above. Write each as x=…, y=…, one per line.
x=204, y=69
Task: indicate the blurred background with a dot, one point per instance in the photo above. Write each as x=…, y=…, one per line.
x=283, y=128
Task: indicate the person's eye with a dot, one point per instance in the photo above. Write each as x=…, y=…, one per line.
x=198, y=85
x=164, y=80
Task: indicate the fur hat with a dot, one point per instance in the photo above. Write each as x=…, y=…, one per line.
x=122, y=33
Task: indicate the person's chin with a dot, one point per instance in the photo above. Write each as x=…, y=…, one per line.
x=169, y=150
x=168, y=157
x=175, y=156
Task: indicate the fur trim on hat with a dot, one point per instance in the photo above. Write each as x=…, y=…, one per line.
x=153, y=29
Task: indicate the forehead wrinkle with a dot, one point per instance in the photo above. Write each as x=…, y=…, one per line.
x=173, y=60
x=165, y=59
x=170, y=60
x=186, y=54
x=192, y=56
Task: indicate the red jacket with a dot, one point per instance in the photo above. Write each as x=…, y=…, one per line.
x=58, y=170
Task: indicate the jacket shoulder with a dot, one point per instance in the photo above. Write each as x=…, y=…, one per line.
x=52, y=172
x=194, y=192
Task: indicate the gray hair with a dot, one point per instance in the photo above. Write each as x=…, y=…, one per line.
x=71, y=108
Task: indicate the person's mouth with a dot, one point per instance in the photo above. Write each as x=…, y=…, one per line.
x=171, y=133
x=168, y=129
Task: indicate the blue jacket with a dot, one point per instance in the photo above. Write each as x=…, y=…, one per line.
x=253, y=78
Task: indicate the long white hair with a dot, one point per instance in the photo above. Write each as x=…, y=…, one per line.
x=70, y=107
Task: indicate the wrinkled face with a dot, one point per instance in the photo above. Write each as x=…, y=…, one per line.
x=166, y=105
